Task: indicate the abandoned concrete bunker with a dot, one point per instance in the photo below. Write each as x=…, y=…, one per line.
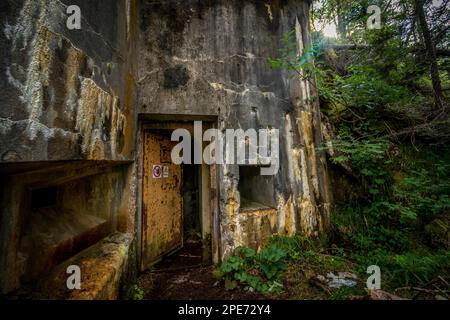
x=86, y=117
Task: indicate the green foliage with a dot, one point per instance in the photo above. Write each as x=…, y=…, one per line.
x=311, y=252
x=411, y=268
x=407, y=269
x=289, y=58
x=425, y=187
x=294, y=246
x=135, y=293
x=259, y=271
x=271, y=261
x=368, y=156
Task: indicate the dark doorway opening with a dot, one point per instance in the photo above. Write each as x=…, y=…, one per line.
x=191, y=202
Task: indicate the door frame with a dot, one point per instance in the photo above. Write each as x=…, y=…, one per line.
x=208, y=183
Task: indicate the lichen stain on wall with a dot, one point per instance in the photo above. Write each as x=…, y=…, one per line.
x=99, y=120
x=132, y=18
x=286, y=216
x=230, y=226
x=306, y=123
x=258, y=226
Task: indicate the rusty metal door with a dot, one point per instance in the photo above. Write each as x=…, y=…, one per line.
x=162, y=201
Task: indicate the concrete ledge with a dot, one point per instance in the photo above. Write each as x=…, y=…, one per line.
x=102, y=268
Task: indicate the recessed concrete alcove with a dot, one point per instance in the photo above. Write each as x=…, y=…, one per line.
x=56, y=211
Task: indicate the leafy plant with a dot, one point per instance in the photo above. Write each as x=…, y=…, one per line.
x=257, y=271
x=135, y=293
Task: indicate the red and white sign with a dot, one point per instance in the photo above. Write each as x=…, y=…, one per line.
x=157, y=171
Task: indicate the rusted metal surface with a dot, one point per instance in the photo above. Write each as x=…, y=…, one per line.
x=162, y=230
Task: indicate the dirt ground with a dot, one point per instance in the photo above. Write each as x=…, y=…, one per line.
x=193, y=284
x=183, y=277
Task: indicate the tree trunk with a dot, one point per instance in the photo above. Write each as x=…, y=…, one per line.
x=341, y=23
x=431, y=52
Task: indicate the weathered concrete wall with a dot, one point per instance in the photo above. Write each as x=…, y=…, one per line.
x=210, y=58
x=67, y=94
